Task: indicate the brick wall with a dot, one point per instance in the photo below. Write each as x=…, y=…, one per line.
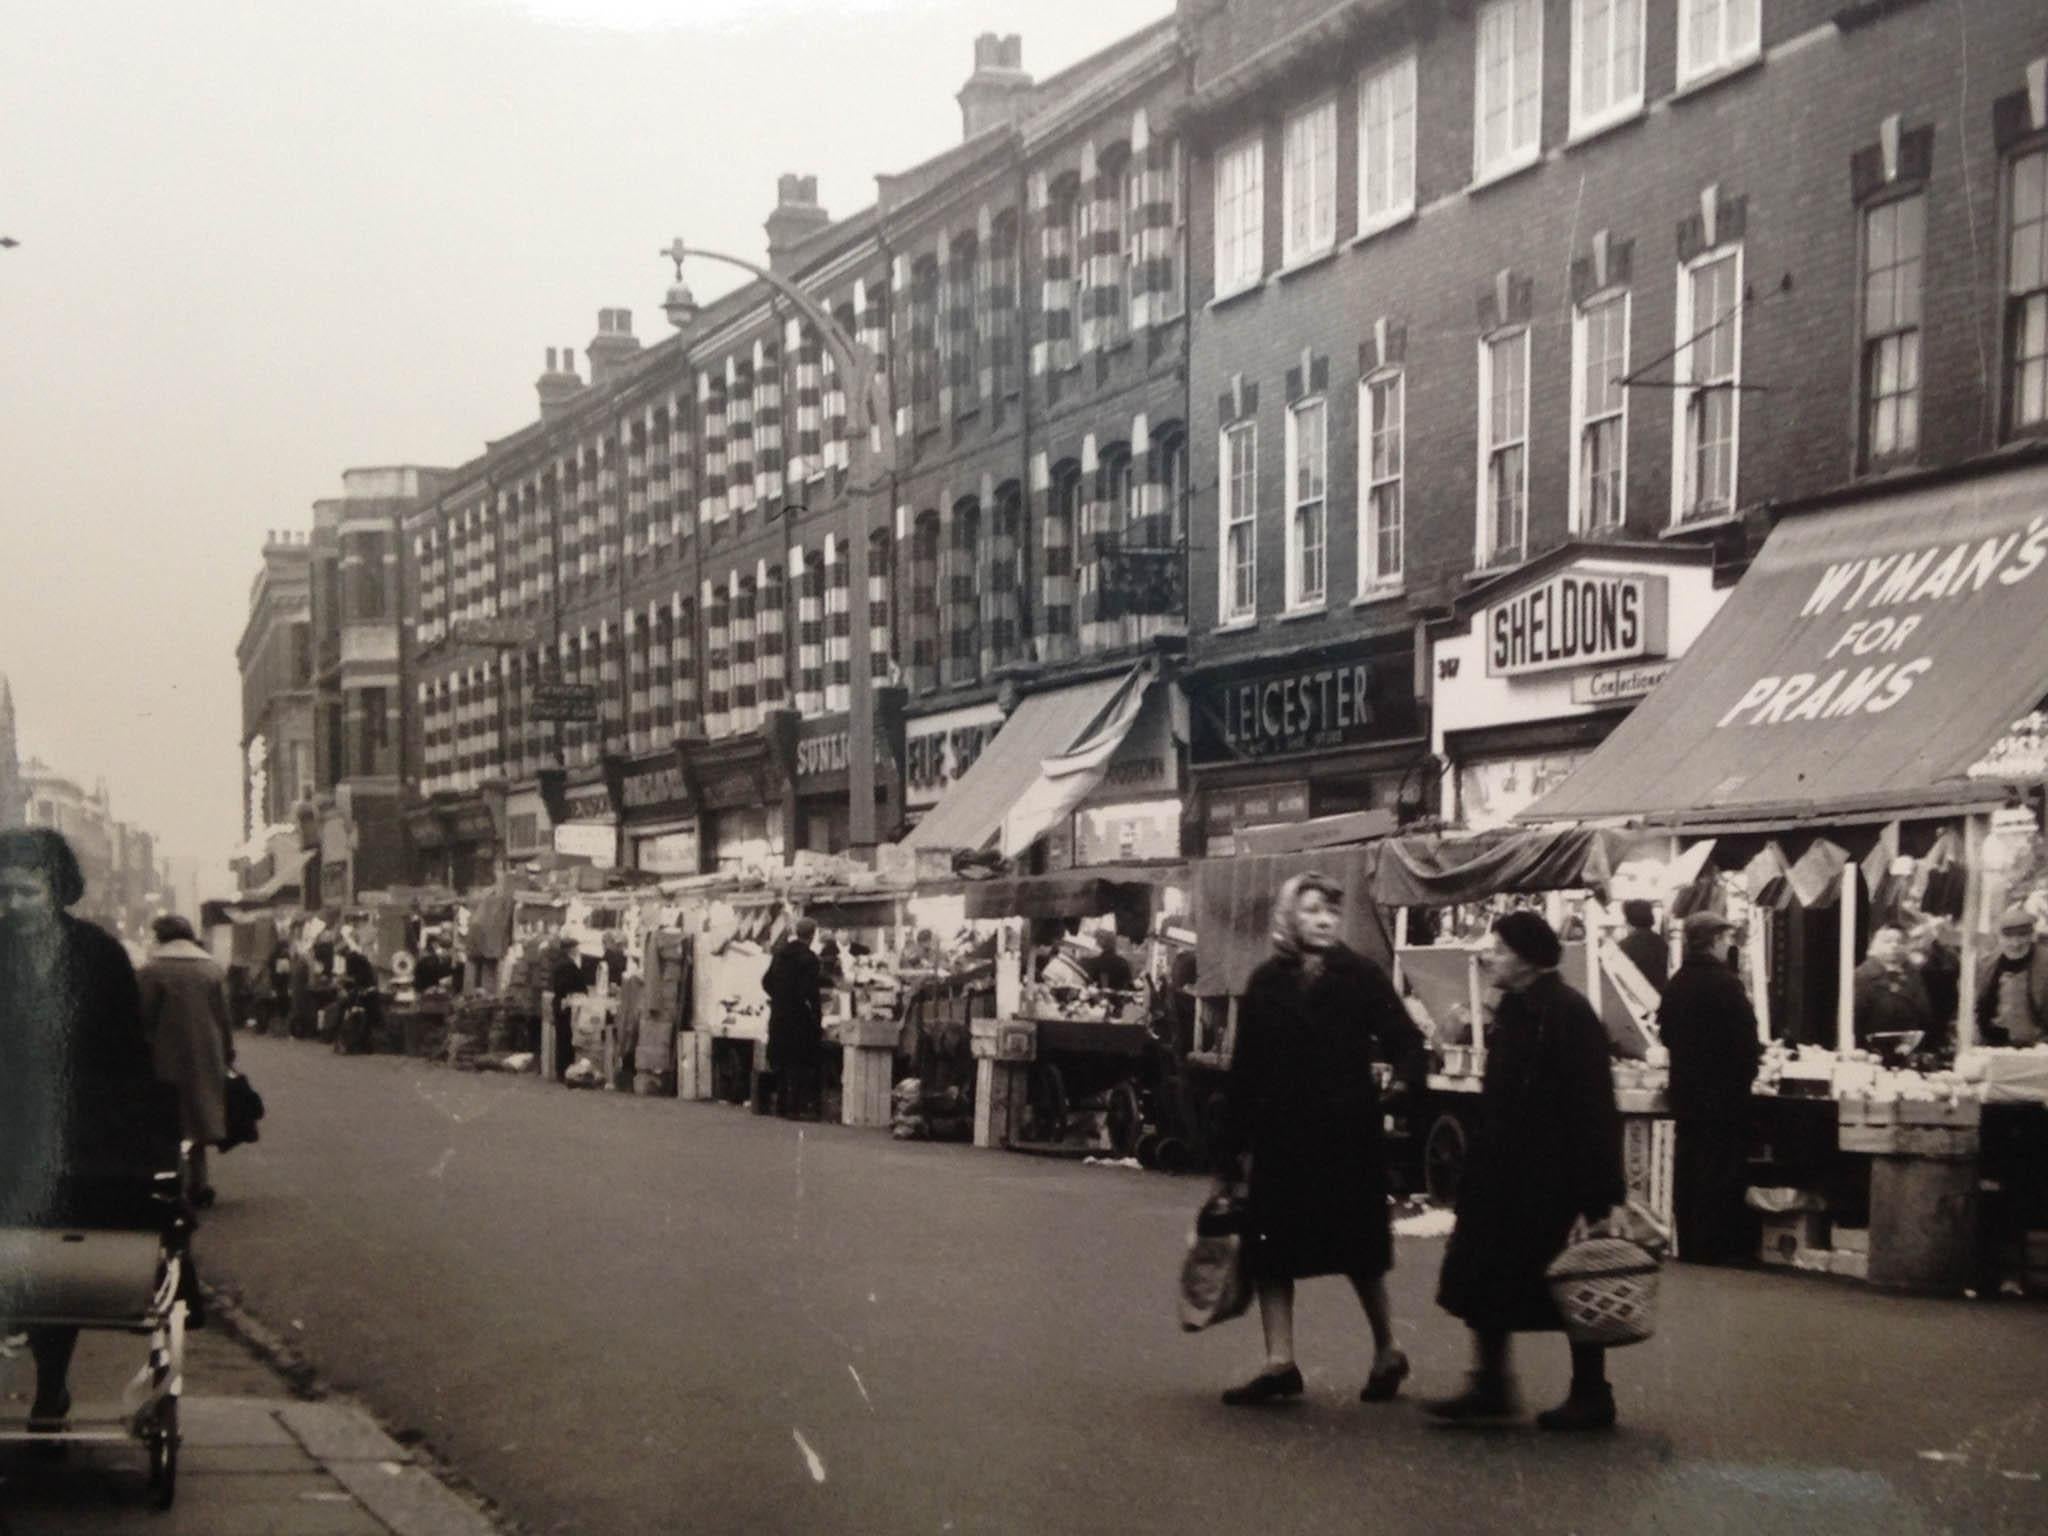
x=1779, y=135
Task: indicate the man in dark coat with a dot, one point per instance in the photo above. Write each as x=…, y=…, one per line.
x=1710, y=1030
x=1890, y=997
x=1546, y=1156
x=565, y=981
x=1643, y=944
x=2012, y=985
x=795, y=1025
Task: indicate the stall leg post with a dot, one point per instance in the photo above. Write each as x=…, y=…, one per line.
x=1974, y=921
x=1845, y=1001
x=547, y=1037
x=1474, y=991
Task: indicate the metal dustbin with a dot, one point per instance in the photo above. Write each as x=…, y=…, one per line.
x=1923, y=1192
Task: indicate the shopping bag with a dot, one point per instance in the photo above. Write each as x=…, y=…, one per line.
x=1605, y=1286
x=244, y=1108
x=1213, y=1288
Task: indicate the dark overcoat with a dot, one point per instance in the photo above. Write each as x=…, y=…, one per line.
x=795, y=1024
x=185, y=1017
x=70, y=1028
x=1304, y=1104
x=1547, y=1150
x=1709, y=1028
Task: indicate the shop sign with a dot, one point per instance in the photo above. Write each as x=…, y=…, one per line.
x=672, y=853
x=656, y=786
x=473, y=824
x=1114, y=834
x=1264, y=806
x=725, y=788
x=564, y=703
x=582, y=840
x=938, y=749
x=1615, y=685
x=1304, y=709
x=822, y=751
x=1578, y=619
x=592, y=803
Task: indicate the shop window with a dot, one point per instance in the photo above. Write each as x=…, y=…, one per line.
x=1708, y=365
x=1308, y=183
x=1240, y=216
x=2026, y=290
x=1715, y=35
x=1382, y=423
x=1607, y=62
x=1062, y=522
x=924, y=603
x=1167, y=523
x=1308, y=510
x=1600, y=412
x=1503, y=448
x=1508, y=103
x=1238, y=502
x=1893, y=239
x=1386, y=145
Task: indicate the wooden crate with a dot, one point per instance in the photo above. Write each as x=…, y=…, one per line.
x=867, y=1075
x=999, y=1096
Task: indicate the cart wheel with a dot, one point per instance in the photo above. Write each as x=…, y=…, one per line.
x=1148, y=1150
x=1443, y=1159
x=163, y=1455
x=1171, y=1155
x=1125, y=1121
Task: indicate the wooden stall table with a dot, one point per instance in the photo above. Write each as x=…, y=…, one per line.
x=1003, y=1052
x=868, y=1069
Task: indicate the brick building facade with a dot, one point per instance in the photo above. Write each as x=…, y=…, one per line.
x=1476, y=282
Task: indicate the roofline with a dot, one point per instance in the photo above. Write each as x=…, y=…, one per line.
x=2017, y=455
x=1466, y=603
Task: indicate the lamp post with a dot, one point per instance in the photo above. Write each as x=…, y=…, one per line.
x=871, y=473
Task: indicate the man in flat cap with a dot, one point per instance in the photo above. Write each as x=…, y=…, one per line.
x=1710, y=1030
x=2012, y=985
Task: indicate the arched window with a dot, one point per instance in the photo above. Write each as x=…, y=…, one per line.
x=1105, y=321
x=640, y=706
x=1060, y=249
x=1005, y=575
x=924, y=343
x=963, y=315
x=881, y=644
x=838, y=452
x=769, y=627
x=1106, y=517
x=683, y=663
x=924, y=603
x=999, y=326
x=718, y=663
x=963, y=596
x=810, y=631
x=661, y=694
x=746, y=692
x=838, y=627
x=1056, y=602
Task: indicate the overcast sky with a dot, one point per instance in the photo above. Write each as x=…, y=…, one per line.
x=262, y=242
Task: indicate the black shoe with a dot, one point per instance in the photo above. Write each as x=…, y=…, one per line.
x=1483, y=1400
x=1266, y=1387
x=1383, y=1386
x=1583, y=1410
x=50, y=1418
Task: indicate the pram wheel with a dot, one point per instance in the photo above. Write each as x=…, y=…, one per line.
x=163, y=1455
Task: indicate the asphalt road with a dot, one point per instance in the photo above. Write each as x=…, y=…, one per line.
x=622, y=1315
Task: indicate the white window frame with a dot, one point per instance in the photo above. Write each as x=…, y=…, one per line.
x=1243, y=234
x=1231, y=517
x=1587, y=119
x=1299, y=598
x=1308, y=175
x=1909, y=338
x=1489, y=554
x=2021, y=292
x=1726, y=56
x=1683, y=503
x=1516, y=156
x=1392, y=151
x=1372, y=580
x=1583, y=418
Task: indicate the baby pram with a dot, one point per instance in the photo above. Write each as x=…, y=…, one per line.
x=107, y=1250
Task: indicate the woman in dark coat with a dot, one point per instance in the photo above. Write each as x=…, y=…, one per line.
x=185, y=1016
x=1546, y=1156
x=1304, y=1106
x=70, y=1024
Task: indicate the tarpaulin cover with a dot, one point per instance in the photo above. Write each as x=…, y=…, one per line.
x=1072, y=893
x=1043, y=725
x=490, y=926
x=1868, y=658
x=1321, y=832
x=1443, y=872
x=1234, y=904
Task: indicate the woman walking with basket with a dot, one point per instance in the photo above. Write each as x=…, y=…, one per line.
x=1304, y=1106
x=1547, y=1156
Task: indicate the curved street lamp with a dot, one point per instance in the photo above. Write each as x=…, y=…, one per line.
x=872, y=472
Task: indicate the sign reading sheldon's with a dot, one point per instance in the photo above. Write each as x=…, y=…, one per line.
x=1578, y=618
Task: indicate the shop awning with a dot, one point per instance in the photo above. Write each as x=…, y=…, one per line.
x=1872, y=653
x=1069, y=893
x=1049, y=754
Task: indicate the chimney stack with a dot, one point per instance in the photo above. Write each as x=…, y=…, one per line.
x=797, y=217
x=612, y=347
x=559, y=384
x=998, y=91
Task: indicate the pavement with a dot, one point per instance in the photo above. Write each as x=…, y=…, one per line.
x=257, y=1460
x=620, y=1315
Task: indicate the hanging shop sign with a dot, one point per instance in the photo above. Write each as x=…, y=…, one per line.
x=670, y=853
x=939, y=748
x=1618, y=685
x=822, y=749
x=655, y=788
x=1578, y=618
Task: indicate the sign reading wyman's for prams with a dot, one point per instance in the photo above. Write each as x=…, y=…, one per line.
x=1308, y=707
x=1578, y=618
x=1864, y=659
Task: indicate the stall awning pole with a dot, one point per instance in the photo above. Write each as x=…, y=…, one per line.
x=1845, y=1002
x=1400, y=942
x=1973, y=923
x=1596, y=917
x=1760, y=972
x=1472, y=994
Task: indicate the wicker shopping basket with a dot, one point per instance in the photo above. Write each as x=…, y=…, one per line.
x=1606, y=1291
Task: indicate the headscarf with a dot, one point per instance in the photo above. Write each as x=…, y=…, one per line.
x=1286, y=920
x=44, y=850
